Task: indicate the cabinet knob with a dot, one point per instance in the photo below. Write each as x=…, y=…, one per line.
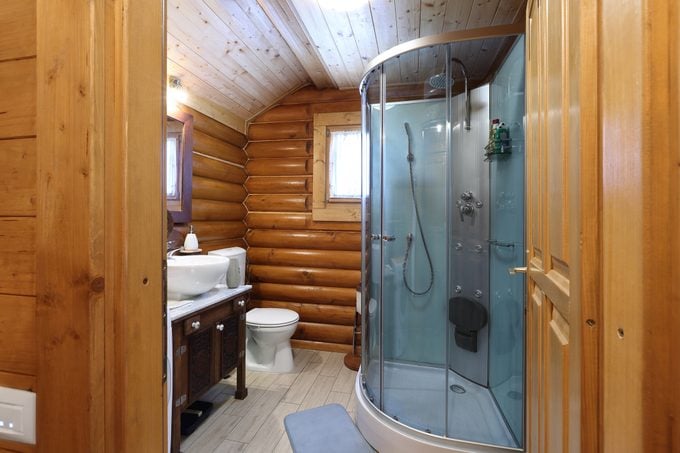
x=241, y=303
x=196, y=325
x=220, y=327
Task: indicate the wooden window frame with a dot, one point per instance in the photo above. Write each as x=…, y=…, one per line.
x=323, y=209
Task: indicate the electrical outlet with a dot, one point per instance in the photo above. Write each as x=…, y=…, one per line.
x=17, y=415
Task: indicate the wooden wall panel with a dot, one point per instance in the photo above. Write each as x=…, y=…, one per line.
x=18, y=200
x=294, y=262
x=18, y=36
x=17, y=255
x=218, y=194
x=17, y=103
x=17, y=177
x=18, y=339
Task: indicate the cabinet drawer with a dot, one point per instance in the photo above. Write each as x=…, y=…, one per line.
x=240, y=303
x=194, y=324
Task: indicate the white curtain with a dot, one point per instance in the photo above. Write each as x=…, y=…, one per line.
x=345, y=164
x=171, y=160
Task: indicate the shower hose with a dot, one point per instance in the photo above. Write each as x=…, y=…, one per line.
x=409, y=238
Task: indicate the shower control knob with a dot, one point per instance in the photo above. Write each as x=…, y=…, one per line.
x=467, y=195
x=479, y=204
x=458, y=289
x=477, y=293
x=459, y=246
x=466, y=209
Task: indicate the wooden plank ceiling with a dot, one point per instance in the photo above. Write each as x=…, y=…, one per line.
x=236, y=58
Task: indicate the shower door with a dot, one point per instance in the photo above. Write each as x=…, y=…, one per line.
x=406, y=290
x=371, y=205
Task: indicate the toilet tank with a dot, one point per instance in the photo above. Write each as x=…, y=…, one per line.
x=234, y=253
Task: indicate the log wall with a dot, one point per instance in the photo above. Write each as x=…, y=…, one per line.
x=18, y=199
x=294, y=262
x=217, y=210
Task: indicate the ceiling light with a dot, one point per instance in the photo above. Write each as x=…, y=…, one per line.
x=176, y=94
x=342, y=5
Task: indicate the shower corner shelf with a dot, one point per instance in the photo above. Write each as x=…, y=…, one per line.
x=497, y=154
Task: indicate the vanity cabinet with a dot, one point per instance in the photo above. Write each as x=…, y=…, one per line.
x=208, y=345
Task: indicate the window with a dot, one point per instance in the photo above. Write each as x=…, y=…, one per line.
x=172, y=189
x=337, y=167
x=344, y=164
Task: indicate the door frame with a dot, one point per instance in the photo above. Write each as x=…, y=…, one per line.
x=100, y=116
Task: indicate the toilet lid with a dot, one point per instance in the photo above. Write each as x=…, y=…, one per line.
x=271, y=317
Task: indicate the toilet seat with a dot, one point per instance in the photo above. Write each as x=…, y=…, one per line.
x=271, y=317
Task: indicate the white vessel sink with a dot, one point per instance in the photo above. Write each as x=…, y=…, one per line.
x=189, y=276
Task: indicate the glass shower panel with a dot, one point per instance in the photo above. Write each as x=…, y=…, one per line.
x=414, y=244
x=506, y=335
x=372, y=215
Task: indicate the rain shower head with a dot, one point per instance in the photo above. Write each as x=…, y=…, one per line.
x=438, y=81
x=441, y=82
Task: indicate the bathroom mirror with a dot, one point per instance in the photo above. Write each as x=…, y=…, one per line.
x=178, y=151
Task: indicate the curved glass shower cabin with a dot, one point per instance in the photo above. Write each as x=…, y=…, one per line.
x=443, y=210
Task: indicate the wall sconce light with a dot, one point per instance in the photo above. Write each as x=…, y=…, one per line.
x=176, y=94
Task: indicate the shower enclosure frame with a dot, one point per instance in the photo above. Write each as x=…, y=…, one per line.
x=383, y=432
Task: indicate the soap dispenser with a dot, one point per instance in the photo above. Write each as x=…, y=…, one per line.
x=190, y=241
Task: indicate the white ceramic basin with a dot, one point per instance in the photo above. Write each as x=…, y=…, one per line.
x=189, y=276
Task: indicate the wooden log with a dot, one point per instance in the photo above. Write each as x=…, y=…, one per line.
x=345, y=106
x=314, y=276
x=321, y=346
x=295, y=221
x=324, y=314
x=280, y=148
x=294, y=239
x=297, y=112
x=18, y=38
x=305, y=294
x=324, y=332
x=17, y=177
x=279, y=167
x=279, y=184
x=207, y=231
x=208, y=246
x=308, y=258
x=216, y=210
x=206, y=144
x=17, y=324
x=214, y=128
x=280, y=131
x=311, y=95
x=18, y=100
x=212, y=189
x=215, y=169
x=17, y=255
x=278, y=202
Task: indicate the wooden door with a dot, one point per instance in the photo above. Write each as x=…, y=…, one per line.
x=553, y=224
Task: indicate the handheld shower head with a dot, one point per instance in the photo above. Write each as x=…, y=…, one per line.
x=409, y=138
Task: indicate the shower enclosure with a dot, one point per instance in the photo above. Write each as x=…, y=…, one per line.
x=443, y=211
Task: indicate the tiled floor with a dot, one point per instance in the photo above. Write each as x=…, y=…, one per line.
x=255, y=424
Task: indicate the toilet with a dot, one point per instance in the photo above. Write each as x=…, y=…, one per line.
x=268, y=332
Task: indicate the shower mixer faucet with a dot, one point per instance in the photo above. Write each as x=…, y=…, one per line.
x=466, y=205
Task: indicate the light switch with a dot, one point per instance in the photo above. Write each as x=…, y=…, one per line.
x=17, y=415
